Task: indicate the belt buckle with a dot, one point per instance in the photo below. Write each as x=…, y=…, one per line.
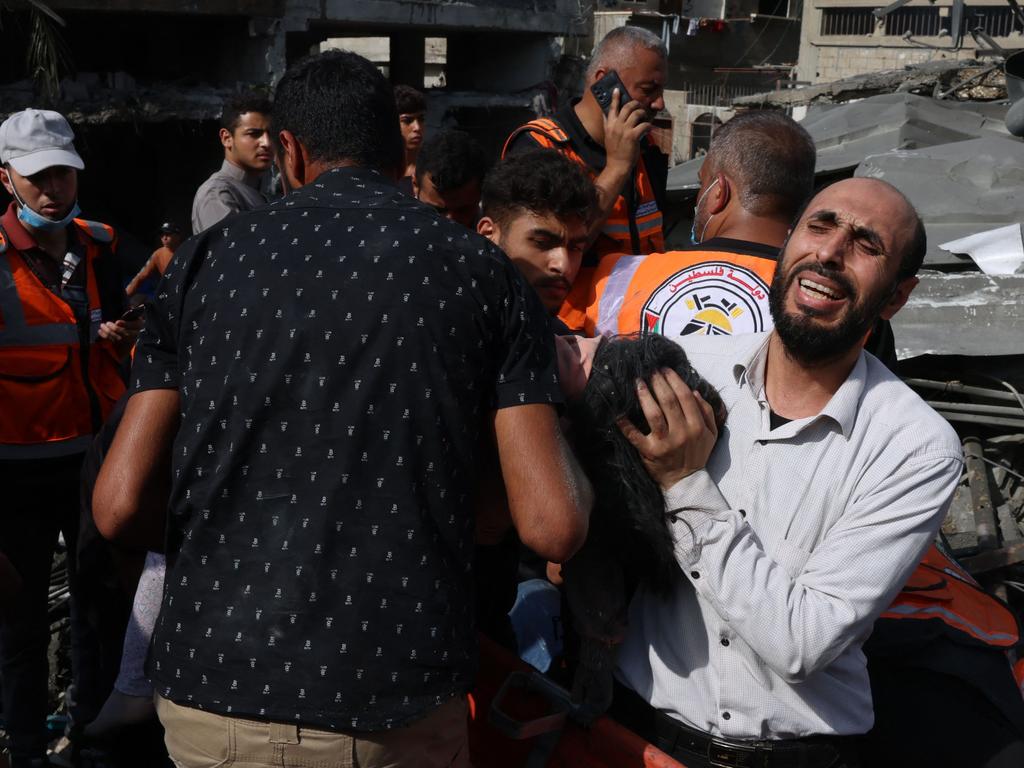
x=722, y=754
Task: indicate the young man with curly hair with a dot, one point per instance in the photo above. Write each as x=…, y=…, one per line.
x=537, y=207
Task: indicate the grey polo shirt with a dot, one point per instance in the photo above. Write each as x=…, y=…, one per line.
x=227, y=191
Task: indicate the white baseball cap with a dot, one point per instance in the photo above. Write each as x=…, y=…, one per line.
x=36, y=139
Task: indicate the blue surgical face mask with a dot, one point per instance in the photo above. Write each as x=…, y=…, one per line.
x=39, y=222
x=696, y=212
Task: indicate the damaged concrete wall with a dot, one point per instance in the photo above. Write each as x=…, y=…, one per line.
x=145, y=80
x=842, y=38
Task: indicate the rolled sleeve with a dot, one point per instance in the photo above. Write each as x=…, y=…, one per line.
x=156, y=364
x=527, y=370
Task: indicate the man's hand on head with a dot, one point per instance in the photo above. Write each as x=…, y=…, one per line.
x=623, y=129
x=683, y=430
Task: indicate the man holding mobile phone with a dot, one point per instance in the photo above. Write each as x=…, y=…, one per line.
x=627, y=73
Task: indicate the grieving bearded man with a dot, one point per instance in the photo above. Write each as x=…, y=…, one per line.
x=798, y=526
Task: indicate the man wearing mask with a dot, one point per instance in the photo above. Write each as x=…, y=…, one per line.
x=756, y=177
x=757, y=174
x=61, y=343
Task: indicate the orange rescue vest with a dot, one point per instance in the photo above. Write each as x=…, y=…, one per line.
x=940, y=590
x=48, y=406
x=676, y=293
x=617, y=235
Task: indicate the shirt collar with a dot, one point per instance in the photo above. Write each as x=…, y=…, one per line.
x=592, y=152
x=841, y=407
x=249, y=179
x=19, y=237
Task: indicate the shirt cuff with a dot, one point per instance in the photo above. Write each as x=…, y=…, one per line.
x=694, y=502
x=695, y=492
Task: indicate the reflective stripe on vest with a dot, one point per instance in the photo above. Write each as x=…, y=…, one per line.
x=951, y=618
x=614, y=294
x=616, y=236
x=940, y=589
x=101, y=233
x=15, y=332
x=49, y=411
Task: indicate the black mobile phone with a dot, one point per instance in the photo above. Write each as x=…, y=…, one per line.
x=134, y=313
x=603, y=88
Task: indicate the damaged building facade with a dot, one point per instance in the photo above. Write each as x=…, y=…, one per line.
x=842, y=38
x=143, y=81
x=719, y=50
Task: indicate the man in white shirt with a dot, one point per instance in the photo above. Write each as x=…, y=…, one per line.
x=800, y=524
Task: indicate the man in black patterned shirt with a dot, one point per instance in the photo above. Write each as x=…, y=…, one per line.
x=339, y=353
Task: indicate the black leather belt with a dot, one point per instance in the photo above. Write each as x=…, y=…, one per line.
x=682, y=742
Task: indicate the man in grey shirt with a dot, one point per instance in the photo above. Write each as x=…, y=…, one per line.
x=248, y=153
x=797, y=528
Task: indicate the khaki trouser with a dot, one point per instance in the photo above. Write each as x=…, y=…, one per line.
x=197, y=739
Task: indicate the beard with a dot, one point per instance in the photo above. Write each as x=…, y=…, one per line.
x=807, y=341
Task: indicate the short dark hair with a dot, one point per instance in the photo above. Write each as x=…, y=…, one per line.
x=242, y=104
x=409, y=101
x=453, y=159
x=629, y=509
x=541, y=181
x=341, y=109
x=770, y=158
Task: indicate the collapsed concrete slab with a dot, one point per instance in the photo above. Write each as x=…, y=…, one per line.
x=928, y=78
x=962, y=314
x=958, y=189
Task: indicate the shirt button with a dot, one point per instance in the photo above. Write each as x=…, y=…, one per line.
x=695, y=574
x=725, y=641
x=726, y=715
x=743, y=513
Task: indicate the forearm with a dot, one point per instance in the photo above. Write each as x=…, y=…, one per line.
x=133, y=486
x=563, y=522
x=549, y=497
x=798, y=610
x=146, y=271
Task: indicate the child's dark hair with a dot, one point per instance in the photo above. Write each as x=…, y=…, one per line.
x=629, y=509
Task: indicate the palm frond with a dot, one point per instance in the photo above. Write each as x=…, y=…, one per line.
x=47, y=55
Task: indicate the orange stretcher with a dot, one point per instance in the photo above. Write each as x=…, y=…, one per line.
x=518, y=718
